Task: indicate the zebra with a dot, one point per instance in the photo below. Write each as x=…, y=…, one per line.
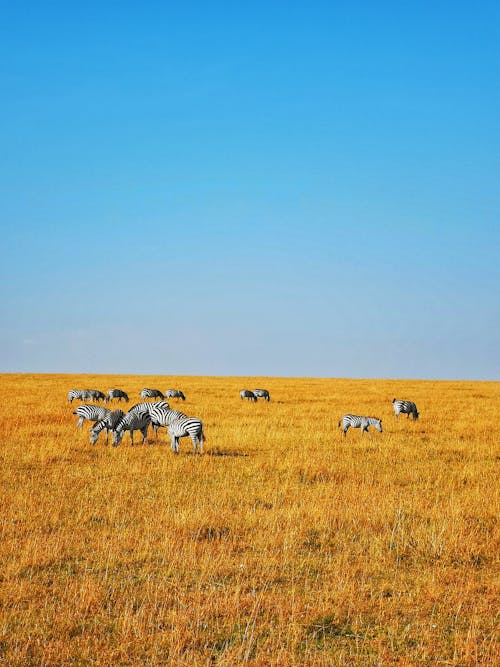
x=140, y=407
x=109, y=423
x=95, y=394
x=245, y=393
x=186, y=426
x=360, y=422
x=75, y=393
x=151, y=393
x=262, y=393
x=132, y=421
x=174, y=393
x=161, y=416
x=405, y=407
x=116, y=393
x=93, y=413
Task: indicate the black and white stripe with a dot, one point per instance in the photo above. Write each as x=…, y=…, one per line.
x=95, y=395
x=262, y=393
x=75, y=394
x=109, y=423
x=183, y=427
x=151, y=393
x=249, y=395
x=116, y=393
x=406, y=408
x=355, y=421
x=132, y=421
x=161, y=416
x=93, y=413
x=174, y=393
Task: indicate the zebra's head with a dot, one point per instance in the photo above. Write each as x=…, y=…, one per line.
x=118, y=435
x=378, y=425
x=94, y=433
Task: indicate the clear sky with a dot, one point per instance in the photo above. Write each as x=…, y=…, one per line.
x=265, y=188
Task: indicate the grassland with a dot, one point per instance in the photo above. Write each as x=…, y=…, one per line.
x=284, y=544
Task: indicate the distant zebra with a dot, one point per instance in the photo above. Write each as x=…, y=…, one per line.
x=161, y=416
x=109, y=423
x=116, y=393
x=95, y=394
x=245, y=393
x=132, y=421
x=363, y=423
x=93, y=413
x=75, y=394
x=151, y=393
x=406, y=408
x=262, y=393
x=174, y=393
x=186, y=426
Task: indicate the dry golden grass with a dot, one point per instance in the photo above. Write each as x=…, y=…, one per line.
x=284, y=544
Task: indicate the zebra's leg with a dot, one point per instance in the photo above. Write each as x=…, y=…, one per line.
x=346, y=428
x=174, y=444
x=144, y=432
x=80, y=422
x=131, y=436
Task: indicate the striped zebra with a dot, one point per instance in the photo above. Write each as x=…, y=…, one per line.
x=151, y=393
x=140, y=407
x=161, y=416
x=75, y=394
x=95, y=395
x=363, y=423
x=116, y=393
x=245, y=393
x=262, y=393
x=132, y=421
x=406, y=408
x=93, y=413
x=174, y=393
x=183, y=427
x=109, y=423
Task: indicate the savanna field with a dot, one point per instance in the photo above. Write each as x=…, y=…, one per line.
x=283, y=544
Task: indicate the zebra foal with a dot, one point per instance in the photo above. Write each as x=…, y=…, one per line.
x=406, y=408
x=355, y=421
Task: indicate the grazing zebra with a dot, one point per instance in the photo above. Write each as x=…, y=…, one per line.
x=161, y=416
x=405, y=407
x=93, y=413
x=262, y=393
x=109, y=423
x=116, y=393
x=95, y=394
x=132, y=421
x=151, y=393
x=245, y=393
x=174, y=393
x=360, y=422
x=75, y=393
x=186, y=426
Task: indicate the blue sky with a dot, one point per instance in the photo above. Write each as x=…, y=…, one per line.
x=300, y=189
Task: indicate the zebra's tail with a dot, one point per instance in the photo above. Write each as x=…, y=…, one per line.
x=393, y=400
x=340, y=421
